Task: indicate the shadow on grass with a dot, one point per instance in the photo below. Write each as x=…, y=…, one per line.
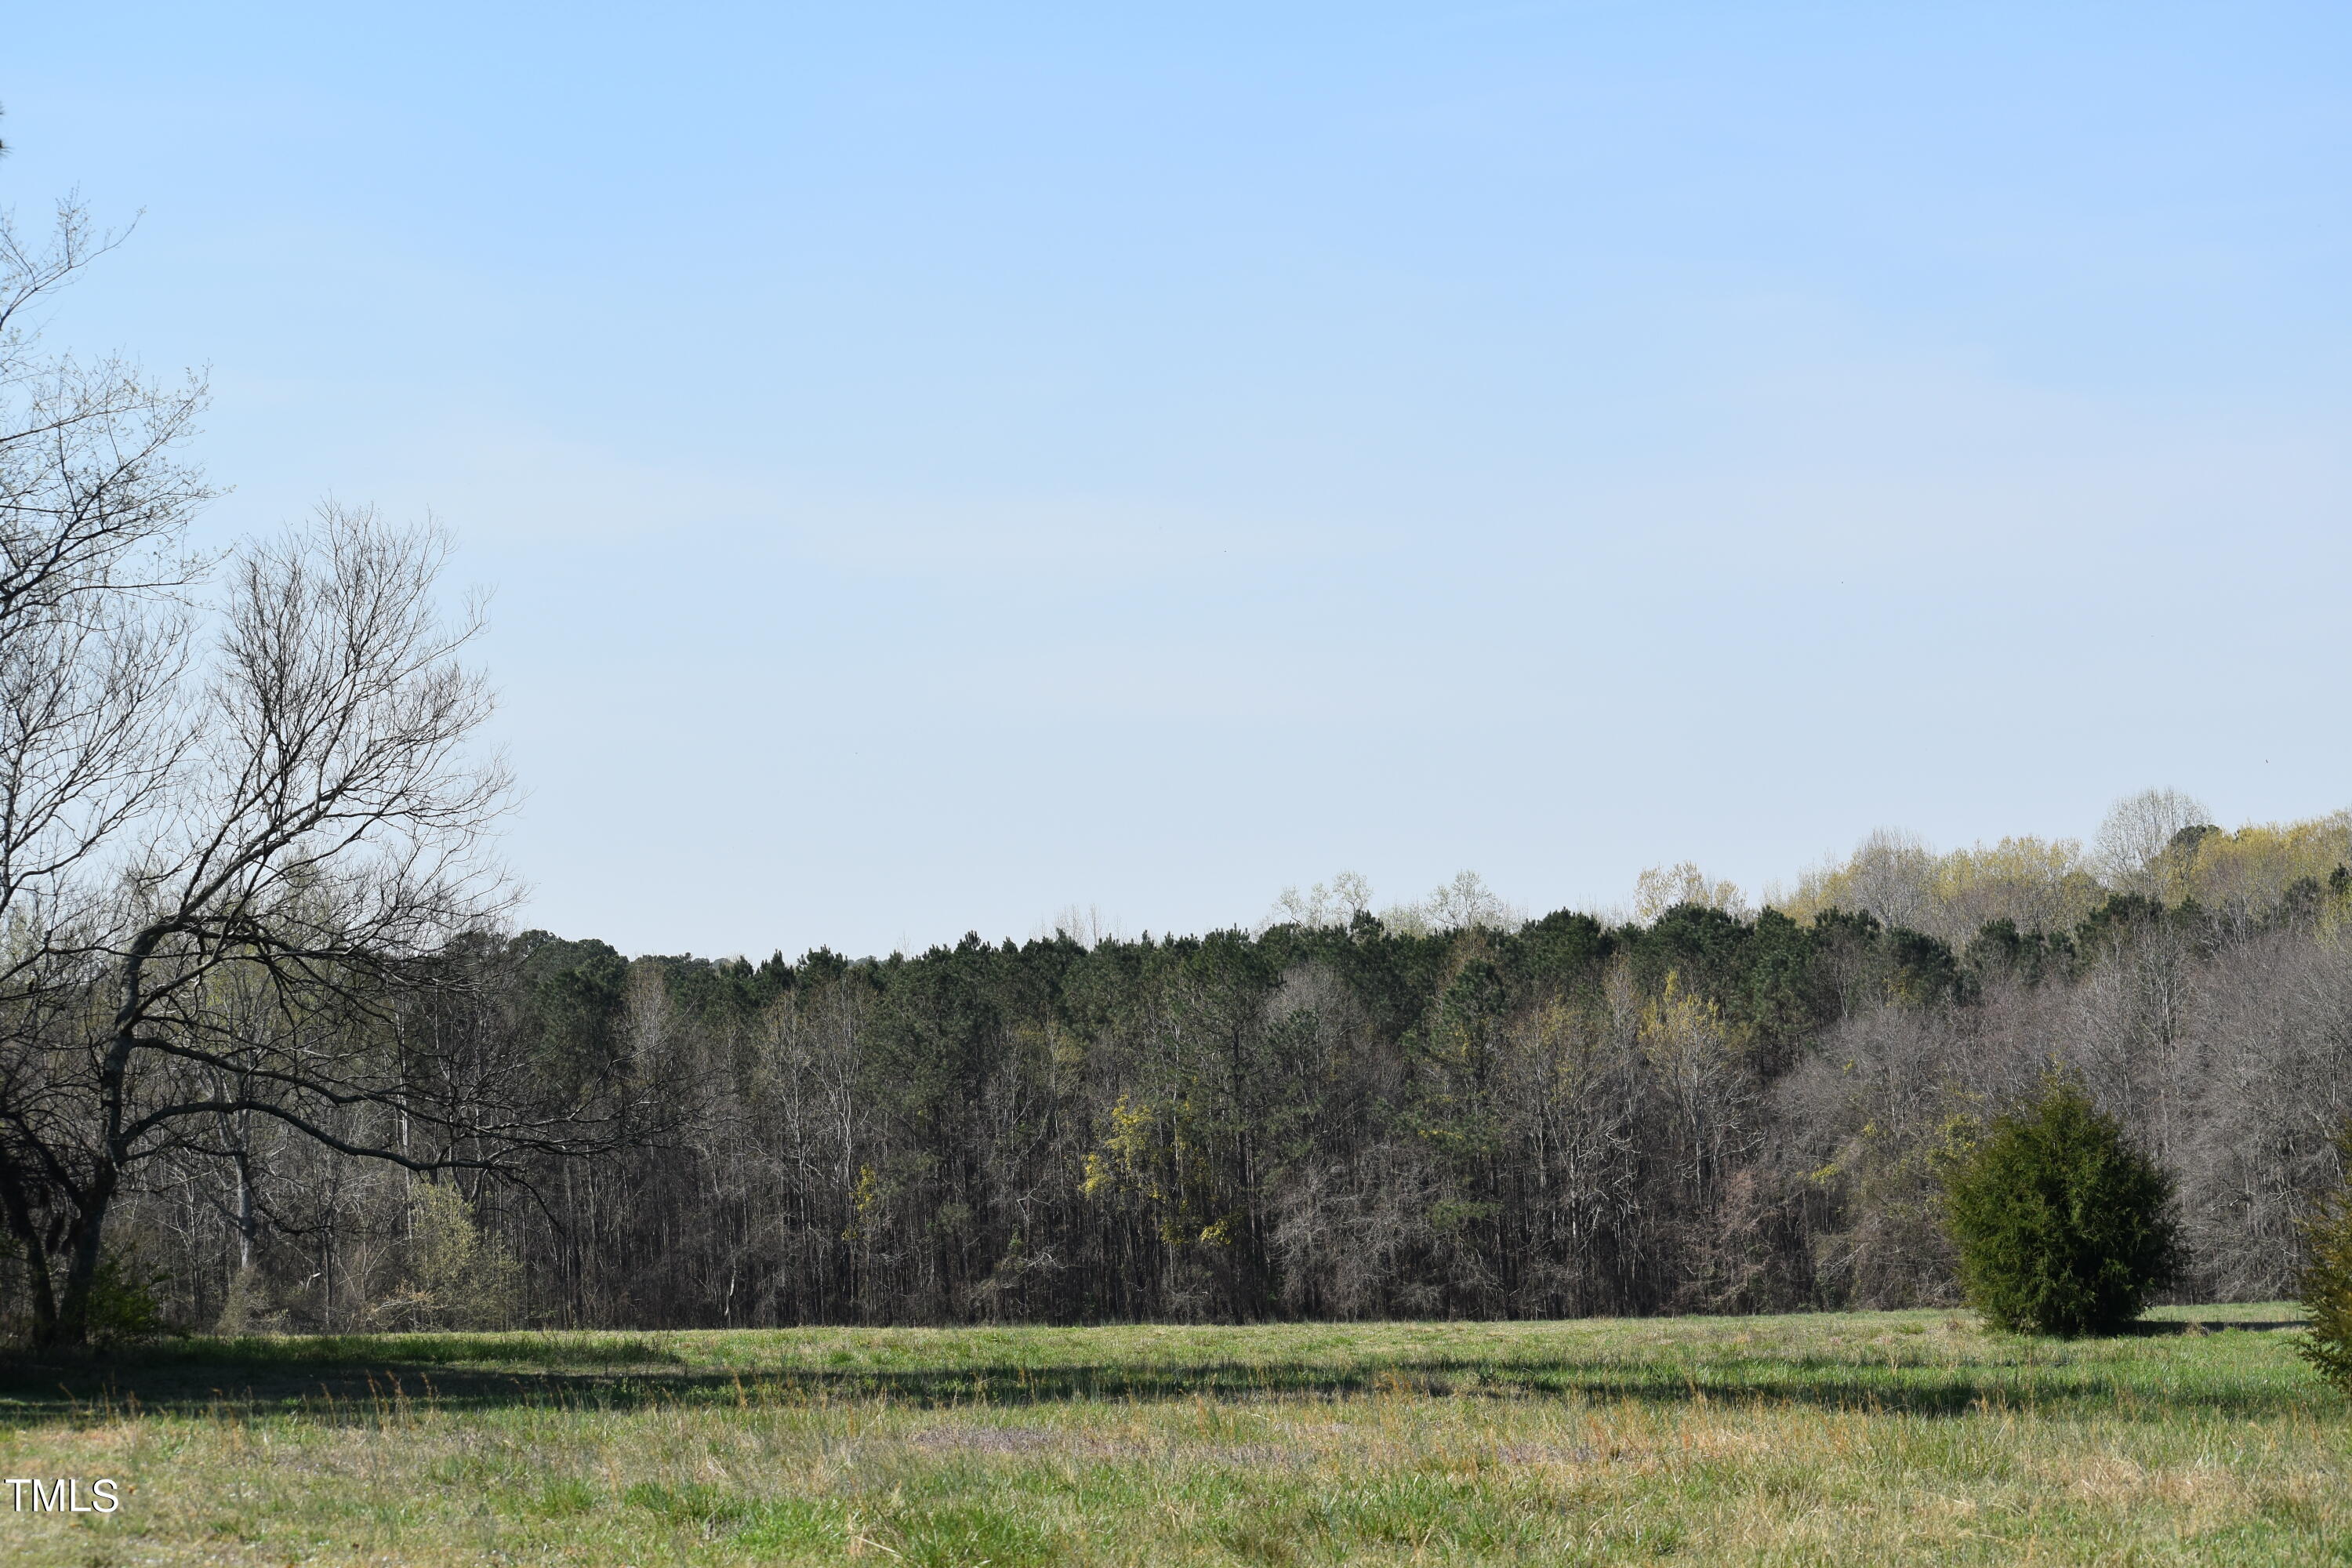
x=370, y=1379
x=588, y=1350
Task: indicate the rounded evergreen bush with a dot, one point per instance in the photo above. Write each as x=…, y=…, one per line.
x=2326, y=1291
x=2062, y=1227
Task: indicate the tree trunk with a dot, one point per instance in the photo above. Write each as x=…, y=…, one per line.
x=38, y=1281
x=70, y=1327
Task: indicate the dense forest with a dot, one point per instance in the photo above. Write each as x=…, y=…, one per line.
x=1438, y=1110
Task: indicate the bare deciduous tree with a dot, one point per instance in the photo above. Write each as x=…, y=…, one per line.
x=310, y=837
x=2138, y=830
x=1662, y=887
x=95, y=499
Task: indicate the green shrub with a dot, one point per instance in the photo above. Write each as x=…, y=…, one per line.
x=2063, y=1227
x=2328, y=1280
x=456, y=1277
x=123, y=1309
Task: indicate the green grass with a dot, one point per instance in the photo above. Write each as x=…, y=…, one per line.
x=1867, y=1437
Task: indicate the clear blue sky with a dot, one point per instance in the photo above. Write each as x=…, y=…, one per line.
x=939, y=464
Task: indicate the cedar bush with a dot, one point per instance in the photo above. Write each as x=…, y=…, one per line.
x=2063, y=1227
x=2326, y=1291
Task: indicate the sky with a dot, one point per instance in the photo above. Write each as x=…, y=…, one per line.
x=935, y=466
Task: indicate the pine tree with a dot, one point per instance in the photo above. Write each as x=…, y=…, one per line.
x=2326, y=1291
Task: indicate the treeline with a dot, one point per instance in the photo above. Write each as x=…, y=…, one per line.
x=1334, y=1116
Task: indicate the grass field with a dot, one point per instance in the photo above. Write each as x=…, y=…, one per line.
x=1868, y=1438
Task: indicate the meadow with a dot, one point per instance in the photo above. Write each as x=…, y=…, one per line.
x=1873, y=1437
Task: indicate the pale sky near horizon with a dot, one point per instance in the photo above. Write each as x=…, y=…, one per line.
x=939, y=465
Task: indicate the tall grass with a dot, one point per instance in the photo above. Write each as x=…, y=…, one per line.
x=1881, y=1437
